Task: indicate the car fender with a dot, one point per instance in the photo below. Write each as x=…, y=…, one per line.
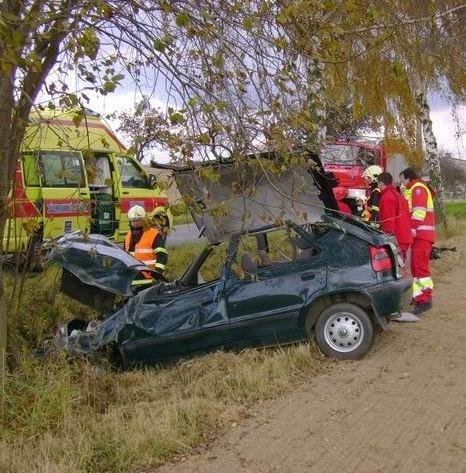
x=320, y=300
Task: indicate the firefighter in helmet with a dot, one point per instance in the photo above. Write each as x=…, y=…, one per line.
x=146, y=242
x=371, y=210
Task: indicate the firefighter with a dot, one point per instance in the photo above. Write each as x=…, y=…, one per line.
x=371, y=210
x=340, y=193
x=395, y=218
x=421, y=206
x=145, y=243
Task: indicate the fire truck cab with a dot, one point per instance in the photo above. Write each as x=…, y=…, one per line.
x=346, y=160
x=74, y=174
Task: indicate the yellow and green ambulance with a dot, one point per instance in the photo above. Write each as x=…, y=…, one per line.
x=74, y=174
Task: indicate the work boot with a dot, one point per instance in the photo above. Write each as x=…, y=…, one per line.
x=421, y=307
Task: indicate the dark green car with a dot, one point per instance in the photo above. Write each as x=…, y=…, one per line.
x=332, y=278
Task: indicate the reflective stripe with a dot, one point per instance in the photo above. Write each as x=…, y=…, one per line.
x=140, y=282
x=132, y=253
x=421, y=285
x=419, y=215
x=160, y=265
x=426, y=282
x=426, y=227
x=373, y=207
x=149, y=261
x=144, y=250
x=160, y=249
x=424, y=209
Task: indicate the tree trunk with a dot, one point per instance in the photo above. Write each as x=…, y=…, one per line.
x=431, y=155
x=316, y=104
x=6, y=108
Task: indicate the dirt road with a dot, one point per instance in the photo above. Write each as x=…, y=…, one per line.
x=400, y=409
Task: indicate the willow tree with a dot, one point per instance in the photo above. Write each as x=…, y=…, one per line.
x=385, y=57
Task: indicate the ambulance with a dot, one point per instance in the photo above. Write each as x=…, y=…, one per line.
x=75, y=174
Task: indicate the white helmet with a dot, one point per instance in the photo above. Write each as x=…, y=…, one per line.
x=136, y=212
x=372, y=172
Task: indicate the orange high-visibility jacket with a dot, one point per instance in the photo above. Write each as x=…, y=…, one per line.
x=143, y=250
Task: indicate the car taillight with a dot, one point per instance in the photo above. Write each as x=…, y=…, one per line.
x=380, y=258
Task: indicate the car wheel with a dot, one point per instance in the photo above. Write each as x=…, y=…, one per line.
x=344, y=331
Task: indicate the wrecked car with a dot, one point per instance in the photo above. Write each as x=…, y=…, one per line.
x=281, y=266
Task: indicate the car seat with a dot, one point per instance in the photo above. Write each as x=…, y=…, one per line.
x=248, y=263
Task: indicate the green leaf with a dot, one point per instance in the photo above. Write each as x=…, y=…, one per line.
x=89, y=43
x=217, y=61
x=220, y=105
x=398, y=68
x=182, y=19
x=280, y=43
x=166, y=7
x=209, y=108
x=159, y=45
x=248, y=23
x=176, y=118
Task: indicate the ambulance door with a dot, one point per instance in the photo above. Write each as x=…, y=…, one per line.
x=103, y=196
x=135, y=188
x=65, y=192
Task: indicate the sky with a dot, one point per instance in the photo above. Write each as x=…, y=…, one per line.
x=449, y=128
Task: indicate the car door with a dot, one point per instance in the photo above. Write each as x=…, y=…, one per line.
x=265, y=305
x=181, y=321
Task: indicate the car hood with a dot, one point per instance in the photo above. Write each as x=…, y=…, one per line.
x=228, y=197
x=96, y=261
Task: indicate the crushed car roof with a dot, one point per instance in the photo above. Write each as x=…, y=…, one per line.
x=227, y=197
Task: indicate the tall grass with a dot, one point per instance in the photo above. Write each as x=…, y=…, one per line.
x=456, y=209
x=456, y=220
x=69, y=417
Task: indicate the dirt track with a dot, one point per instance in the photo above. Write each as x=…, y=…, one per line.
x=400, y=409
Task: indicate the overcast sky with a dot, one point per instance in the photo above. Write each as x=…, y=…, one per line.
x=449, y=128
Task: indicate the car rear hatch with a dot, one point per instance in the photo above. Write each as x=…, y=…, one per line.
x=227, y=197
x=95, y=270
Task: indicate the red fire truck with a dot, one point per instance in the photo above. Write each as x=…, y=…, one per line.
x=346, y=160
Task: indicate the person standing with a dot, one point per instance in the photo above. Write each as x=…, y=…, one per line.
x=371, y=211
x=421, y=206
x=394, y=213
x=146, y=244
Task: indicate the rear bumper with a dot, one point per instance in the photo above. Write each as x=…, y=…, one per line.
x=390, y=297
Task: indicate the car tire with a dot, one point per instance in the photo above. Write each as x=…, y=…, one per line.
x=344, y=331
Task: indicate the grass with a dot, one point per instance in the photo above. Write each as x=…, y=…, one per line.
x=182, y=219
x=456, y=220
x=67, y=416
x=456, y=209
